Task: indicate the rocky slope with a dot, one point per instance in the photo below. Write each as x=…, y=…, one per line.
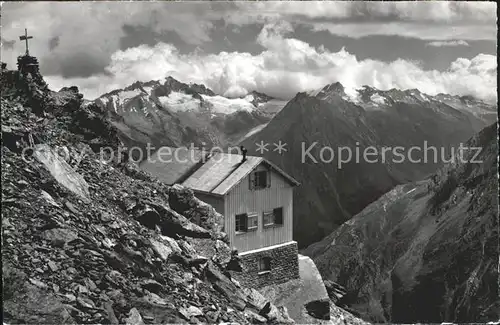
x=310, y=300
x=178, y=114
x=426, y=251
x=329, y=117
x=86, y=239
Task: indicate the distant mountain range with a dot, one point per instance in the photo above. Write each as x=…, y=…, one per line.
x=427, y=251
x=173, y=113
x=369, y=117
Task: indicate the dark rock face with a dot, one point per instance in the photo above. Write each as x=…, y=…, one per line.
x=329, y=120
x=335, y=291
x=87, y=241
x=319, y=309
x=425, y=251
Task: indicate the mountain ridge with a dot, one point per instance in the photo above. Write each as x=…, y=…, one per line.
x=329, y=118
x=426, y=251
x=174, y=113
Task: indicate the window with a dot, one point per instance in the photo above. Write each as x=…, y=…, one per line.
x=241, y=222
x=274, y=217
x=253, y=221
x=265, y=264
x=260, y=179
x=268, y=218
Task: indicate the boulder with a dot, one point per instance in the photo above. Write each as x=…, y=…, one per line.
x=254, y=318
x=255, y=299
x=170, y=222
x=134, y=318
x=182, y=200
x=49, y=199
x=152, y=285
x=222, y=254
x=59, y=236
x=275, y=314
x=162, y=249
x=62, y=171
x=224, y=285
x=190, y=312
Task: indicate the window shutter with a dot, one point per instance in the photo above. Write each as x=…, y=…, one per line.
x=251, y=182
x=268, y=178
x=278, y=216
x=245, y=222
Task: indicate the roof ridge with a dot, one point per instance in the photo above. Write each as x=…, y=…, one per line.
x=281, y=171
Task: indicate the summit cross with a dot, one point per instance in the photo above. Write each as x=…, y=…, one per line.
x=25, y=37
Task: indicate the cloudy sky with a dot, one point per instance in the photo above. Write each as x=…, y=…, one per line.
x=279, y=48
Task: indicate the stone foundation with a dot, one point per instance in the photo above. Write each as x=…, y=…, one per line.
x=284, y=266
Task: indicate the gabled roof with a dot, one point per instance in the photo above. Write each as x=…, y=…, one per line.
x=170, y=166
x=216, y=174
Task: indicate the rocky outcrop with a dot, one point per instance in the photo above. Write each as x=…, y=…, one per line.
x=335, y=291
x=425, y=251
x=88, y=238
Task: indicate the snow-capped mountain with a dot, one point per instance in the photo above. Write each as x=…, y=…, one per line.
x=332, y=118
x=170, y=112
x=370, y=98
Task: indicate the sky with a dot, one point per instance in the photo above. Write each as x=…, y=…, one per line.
x=278, y=48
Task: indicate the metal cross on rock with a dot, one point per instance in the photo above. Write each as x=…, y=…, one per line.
x=25, y=37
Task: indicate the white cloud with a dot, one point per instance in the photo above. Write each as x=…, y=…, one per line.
x=410, y=30
x=447, y=43
x=285, y=67
x=91, y=31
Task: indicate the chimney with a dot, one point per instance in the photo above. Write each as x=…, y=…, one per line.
x=244, y=153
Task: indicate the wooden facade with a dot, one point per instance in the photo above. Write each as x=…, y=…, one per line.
x=241, y=199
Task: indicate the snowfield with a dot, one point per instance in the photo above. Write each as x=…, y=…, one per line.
x=180, y=102
x=376, y=98
x=225, y=105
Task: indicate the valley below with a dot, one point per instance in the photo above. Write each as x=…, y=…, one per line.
x=426, y=251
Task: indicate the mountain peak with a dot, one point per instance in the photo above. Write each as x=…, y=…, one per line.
x=414, y=90
x=258, y=98
x=335, y=88
x=191, y=88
